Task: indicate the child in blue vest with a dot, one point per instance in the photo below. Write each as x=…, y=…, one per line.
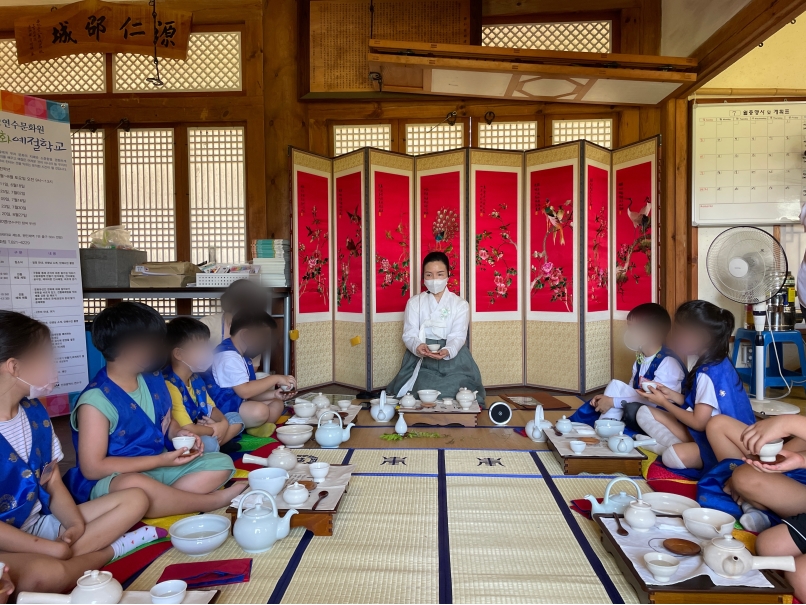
x=39, y=521
x=648, y=326
x=712, y=387
x=233, y=383
x=122, y=424
x=191, y=354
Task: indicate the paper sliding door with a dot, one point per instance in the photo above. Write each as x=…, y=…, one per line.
x=350, y=344
x=312, y=224
x=391, y=251
x=634, y=233
x=496, y=270
x=552, y=256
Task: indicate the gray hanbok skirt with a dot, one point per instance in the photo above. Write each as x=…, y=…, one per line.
x=446, y=376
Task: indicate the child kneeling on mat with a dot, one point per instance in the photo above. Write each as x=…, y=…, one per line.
x=37, y=514
x=648, y=326
x=191, y=354
x=711, y=387
x=122, y=424
x=233, y=383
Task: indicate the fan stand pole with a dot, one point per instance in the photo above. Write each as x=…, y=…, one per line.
x=759, y=322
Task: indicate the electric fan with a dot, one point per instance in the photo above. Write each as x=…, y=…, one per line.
x=748, y=265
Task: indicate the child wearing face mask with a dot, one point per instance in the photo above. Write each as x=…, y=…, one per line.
x=439, y=318
x=38, y=517
x=712, y=387
x=122, y=424
x=191, y=354
x=648, y=326
x=233, y=383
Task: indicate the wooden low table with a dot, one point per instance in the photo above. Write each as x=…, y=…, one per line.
x=608, y=463
x=694, y=590
x=442, y=416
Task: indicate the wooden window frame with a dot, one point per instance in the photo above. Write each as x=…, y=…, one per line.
x=402, y=124
x=613, y=117
x=331, y=136
x=541, y=127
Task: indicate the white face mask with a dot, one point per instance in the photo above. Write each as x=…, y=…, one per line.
x=201, y=365
x=633, y=340
x=36, y=392
x=435, y=286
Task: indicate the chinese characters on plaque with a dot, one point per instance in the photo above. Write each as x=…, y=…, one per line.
x=94, y=26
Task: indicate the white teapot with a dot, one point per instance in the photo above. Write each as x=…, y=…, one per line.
x=93, y=587
x=534, y=428
x=382, y=411
x=624, y=444
x=466, y=397
x=281, y=457
x=408, y=401
x=730, y=559
x=321, y=402
x=257, y=529
x=332, y=434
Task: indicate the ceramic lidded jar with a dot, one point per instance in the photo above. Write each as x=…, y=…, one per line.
x=97, y=587
x=321, y=401
x=408, y=401
x=282, y=458
x=639, y=516
x=295, y=494
x=563, y=425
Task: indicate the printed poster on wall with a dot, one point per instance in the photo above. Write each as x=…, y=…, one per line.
x=350, y=243
x=633, y=229
x=496, y=231
x=441, y=221
x=597, y=269
x=313, y=236
x=40, y=274
x=551, y=245
x=392, y=232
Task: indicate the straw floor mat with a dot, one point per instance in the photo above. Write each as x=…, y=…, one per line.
x=428, y=526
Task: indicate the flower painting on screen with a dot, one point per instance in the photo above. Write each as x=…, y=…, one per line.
x=440, y=216
x=313, y=228
x=496, y=234
x=597, y=244
x=392, y=242
x=551, y=251
x=633, y=236
x=349, y=244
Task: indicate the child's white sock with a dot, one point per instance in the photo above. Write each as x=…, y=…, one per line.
x=657, y=430
x=753, y=519
x=134, y=539
x=671, y=459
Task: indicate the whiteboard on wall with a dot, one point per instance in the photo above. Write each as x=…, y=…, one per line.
x=748, y=163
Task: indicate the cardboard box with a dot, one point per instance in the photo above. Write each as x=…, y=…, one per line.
x=108, y=268
x=163, y=275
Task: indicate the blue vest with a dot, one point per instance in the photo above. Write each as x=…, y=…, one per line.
x=195, y=409
x=19, y=481
x=226, y=399
x=653, y=366
x=733, y=401
x=135, y=435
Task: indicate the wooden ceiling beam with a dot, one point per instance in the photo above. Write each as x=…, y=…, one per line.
x=525, y=7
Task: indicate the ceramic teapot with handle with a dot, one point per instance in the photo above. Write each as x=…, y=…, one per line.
x=466, y=395
x=257, y=529
x=730, y=559
x=624, y=444
x=332, y=433
x=382, y=411
x=534, y=428
x=616, y=504
x=93, y=587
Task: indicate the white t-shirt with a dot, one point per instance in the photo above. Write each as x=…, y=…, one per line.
x=706, y=393
x=17, y=432
x=230, y=369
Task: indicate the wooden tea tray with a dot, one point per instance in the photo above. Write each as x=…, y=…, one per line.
x=694, y=590
x=320, y=522
x=575, y=464
x=440, y=416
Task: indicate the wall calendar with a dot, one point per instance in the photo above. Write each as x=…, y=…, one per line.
x=748, y=163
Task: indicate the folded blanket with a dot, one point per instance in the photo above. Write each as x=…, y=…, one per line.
x=209, y=573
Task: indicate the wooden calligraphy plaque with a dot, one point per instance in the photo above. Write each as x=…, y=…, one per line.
x=94, y=26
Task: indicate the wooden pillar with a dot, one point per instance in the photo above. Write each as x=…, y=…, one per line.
x=285, y=117
x=677, y=263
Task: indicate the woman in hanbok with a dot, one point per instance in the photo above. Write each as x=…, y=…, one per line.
x=436, y=316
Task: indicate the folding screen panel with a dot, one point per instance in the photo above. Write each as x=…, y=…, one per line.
x=391, y=237
x=313, y=274
x=441, y=214
x=350, y=344
x=635, y=193
x=495, y=275
x=596, y=263
x=552, y=246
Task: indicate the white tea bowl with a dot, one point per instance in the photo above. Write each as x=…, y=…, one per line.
x=577, y=446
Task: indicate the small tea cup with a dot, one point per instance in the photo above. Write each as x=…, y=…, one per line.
x=344, y=404
x=172, y=591
x=661, y=566
x=184, y=441
x=770, y=450
x=577, y=446
x=319, y=471
x=434, y=348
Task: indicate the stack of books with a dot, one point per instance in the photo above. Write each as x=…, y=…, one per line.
x=273, y=256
